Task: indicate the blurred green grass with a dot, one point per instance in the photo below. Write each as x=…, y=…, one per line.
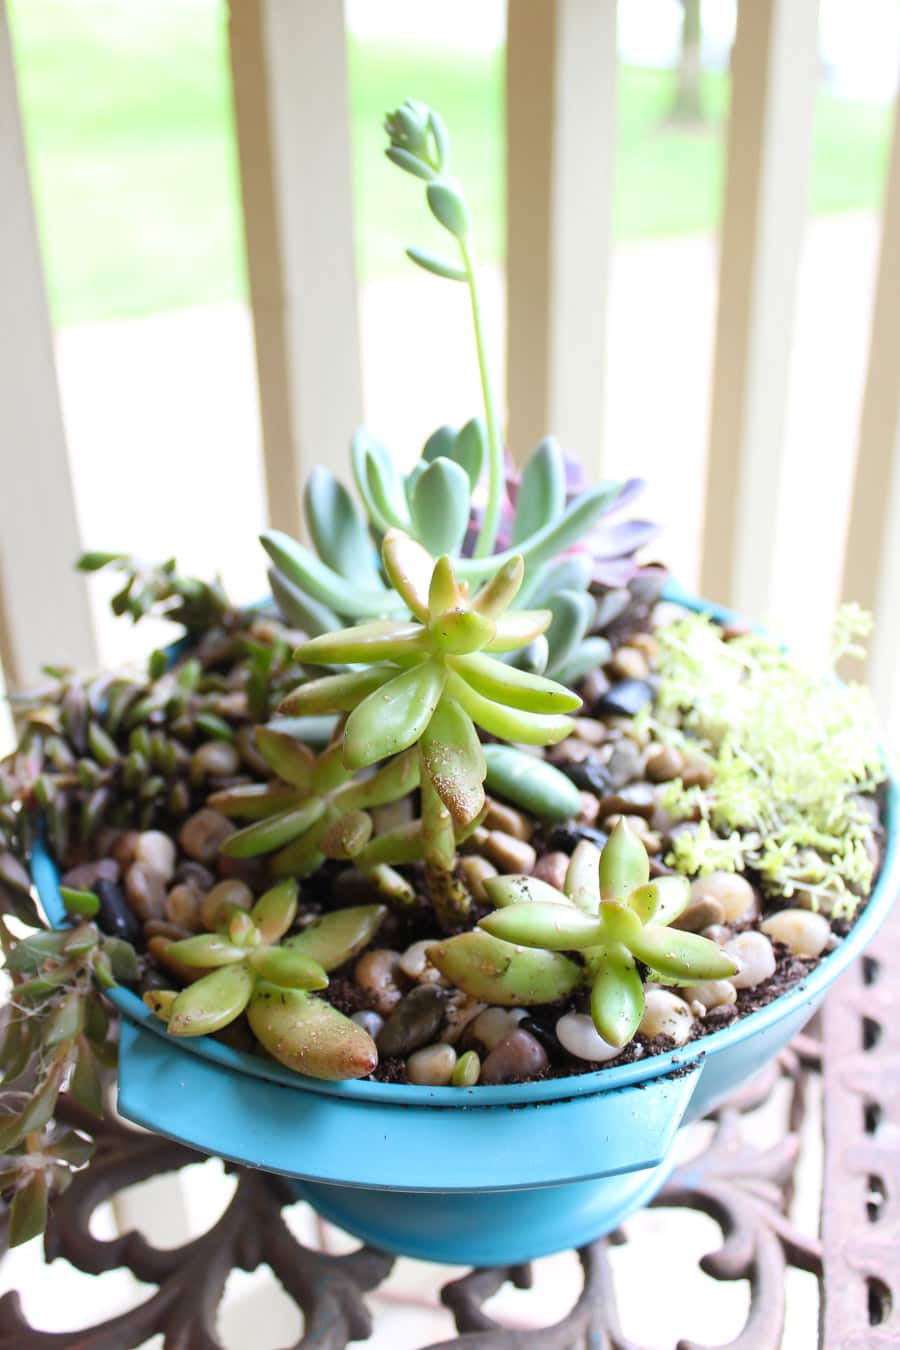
x=128, y=121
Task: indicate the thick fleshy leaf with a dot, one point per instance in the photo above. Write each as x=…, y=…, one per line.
x=617, y=994
x=409, y=567
x=439, y=445
x=518, y=628
x=508, y=724
x=519, y=889
x=275, y=911
x=288, y=757
x=206, y=949
x=336, y=693
x=621, y=923
x=28, y=1212
x=582, y=877
x=454, y=760
x=212, y=1002
x=299, y=609
x=496, y=595
x=31, y=952
x=440, y=508
x=310, y=574
x=557, y=927
x=469, y=450
x=346, y=836
x=330, y=771
x=661, y=900
x=338, y=531
x=383, y=639
x=516, y=688
x=530, y=783
x=461, y=631
x=303, y=856
x=439, y=267
x=624, y=864
x=570, y=573
x=254, y=801
x=573, y=614
x=274, y=832
x=308, y=1035
x=290, y=969
x=402, y=844
x=86, y=1085
x=387, y=784
x=394, y=717
x=337, y=937
x=498, y=972
x=682, y=956
x=377, y=482
x=443, y=592
x=593, y=653
x=541, y=498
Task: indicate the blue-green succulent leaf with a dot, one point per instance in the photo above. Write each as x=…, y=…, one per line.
x=300, y=610
x=470, y=449
x=441, y=506
x=593, y=652
x=338, y=531
x=573, y=613
x=439, y=444
x=542, y=493
x=439, y=267
x=310, y=574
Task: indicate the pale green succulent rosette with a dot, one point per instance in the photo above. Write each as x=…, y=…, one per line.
x=609, y=912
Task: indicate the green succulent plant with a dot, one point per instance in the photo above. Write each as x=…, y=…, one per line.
x=430, y=683
x=252, y=970
x=610, y=912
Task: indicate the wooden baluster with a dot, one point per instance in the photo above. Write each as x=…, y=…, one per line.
x=775, y=66
x=290, y=93
x=560, y=101
x=872, y=560
x=44, y=605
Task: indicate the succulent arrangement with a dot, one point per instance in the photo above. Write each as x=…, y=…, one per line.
x=465, y=804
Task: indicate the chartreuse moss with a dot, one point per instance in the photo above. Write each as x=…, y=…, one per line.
x=609, y=912
x=789, y=752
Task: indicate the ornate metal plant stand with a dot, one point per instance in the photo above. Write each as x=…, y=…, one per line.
x=742, y=1180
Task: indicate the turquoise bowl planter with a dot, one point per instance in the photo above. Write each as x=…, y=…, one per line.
x=477, y=1176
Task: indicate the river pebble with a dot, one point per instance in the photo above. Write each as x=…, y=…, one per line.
x=590, y=775
x=711, y=994
x=146, y=891
x=499, y=816
x=664, y=763
x=517, y=1057
x=735, y=895
x=157, y=850
x=216, y=903
x=191, y=873
x=183, y=906
x=415, y=964
x=802, y=932
x=376, y=974
x=628, y=664
x=215, y=759
x=414, y=1022
x=202, y=834
x=699, y=914
x=594, y=686
x=432, y=1066
x=552, y=868
x=627, y=697
x=476, y=871
x=625, y=764
x=491, y=1026
x=509, y=854
x=665, y=1014
x=577, y=1034
x=85, y=876
x=757, y=958
x=369, y=1020
x=115, y=915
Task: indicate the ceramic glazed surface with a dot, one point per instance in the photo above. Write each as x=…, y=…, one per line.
x=484, y=1175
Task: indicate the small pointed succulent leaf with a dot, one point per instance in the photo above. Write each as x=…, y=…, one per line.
x=582, y=876
x=518, y=689
x=516, y=629
x=310, y=575
x=338, y=936
x=275, y=911
x=496, y=595
x=681, y=956
x=557, y=927
x=624, y=864
x=212, y=1002
x=394, y=717
x=347, y=836
x=293, y=970
x=443, y=591
x=375, y=479
x=531, y=783
x=409, y=567
x=661, y=900
x=206, y=949
x=439, y=267
x=308, y=1035
x=335, y=693
x=388, y=784
x=519, y=889
x=254, y=801
x=298, y=608
x=454, y=760
x=541, y=497
x=508, y=724
x=461, y=631
x=573, y=614
x=593, y=652
x=449, y=209
x=621, y=923
x=617, y=994
x=338, y=531
x=570, y=573
x=274, y=832
x=469, y=450
x=382, y=639
x=290, y=759
x=498, y=972
x=440, y=506
x=28, y=1211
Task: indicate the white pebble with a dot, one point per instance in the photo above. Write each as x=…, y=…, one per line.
x=577, y=1034
x=414, y=961
x=733, y=892
x=432, y=1066
x=665, y=1014
x=711, y=994
x=754, y=951
x=369, y=1020
x=493, y=1024
x=157, y=850
x=805, y=933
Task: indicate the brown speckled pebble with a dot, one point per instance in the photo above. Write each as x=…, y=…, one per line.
x=415, y=1022
x=517, y=1057
x=203, y=833
x=146, y=891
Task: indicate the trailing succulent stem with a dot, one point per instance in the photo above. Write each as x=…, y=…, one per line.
x=609, y=912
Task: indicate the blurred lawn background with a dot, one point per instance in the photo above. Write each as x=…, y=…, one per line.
x=129, y=130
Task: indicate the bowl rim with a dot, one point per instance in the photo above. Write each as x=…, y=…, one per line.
x=806, y=991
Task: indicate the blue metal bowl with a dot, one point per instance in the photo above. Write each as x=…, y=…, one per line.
x=471, y=1176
